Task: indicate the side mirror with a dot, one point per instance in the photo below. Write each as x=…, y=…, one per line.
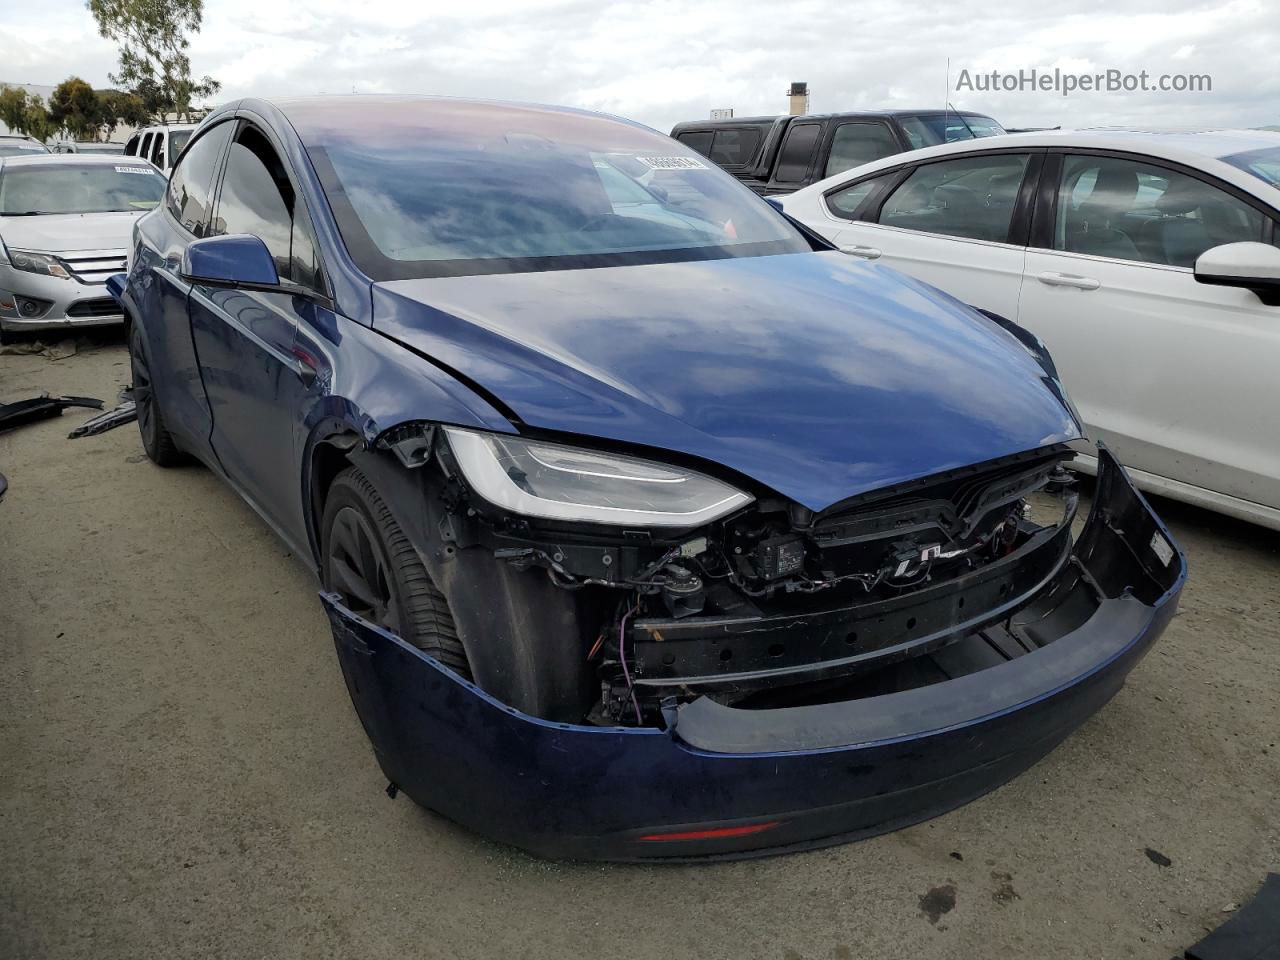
x=239, y=260
x=1252, y=266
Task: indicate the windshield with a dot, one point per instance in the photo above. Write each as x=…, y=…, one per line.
x=1263, y=164
x=13, y=148
x=78, y=188
x=441, y=188
x=929, y=131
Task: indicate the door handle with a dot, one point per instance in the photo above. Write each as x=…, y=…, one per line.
x=857, y=250
x=1069, y=280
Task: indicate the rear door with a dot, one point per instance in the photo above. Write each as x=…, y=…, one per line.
x=1177, y=375
x=958, y=223
x=254, y=380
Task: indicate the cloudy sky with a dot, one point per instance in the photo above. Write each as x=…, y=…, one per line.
x=663, y=61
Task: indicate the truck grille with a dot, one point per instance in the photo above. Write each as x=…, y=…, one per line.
x=94, y=266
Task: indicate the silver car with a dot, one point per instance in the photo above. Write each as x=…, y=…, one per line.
x=65, y=225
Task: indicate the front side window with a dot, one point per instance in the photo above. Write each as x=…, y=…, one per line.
x=257, y=198
x=442, y=189
x=177, y=140
x=191, y=184
x=79, y=188
x=930, y=130
x=797, y=152
x=857, y=143
x=1129, y=210
x=969, y=197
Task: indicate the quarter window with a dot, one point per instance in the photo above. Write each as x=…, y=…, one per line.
x=797, y=152
x=968, y=197
x=191, y=185
x=699, y=140
x=1129, y=210
x=857, y=143
x=845, y=203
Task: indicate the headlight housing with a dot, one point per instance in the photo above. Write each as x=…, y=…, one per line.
x=557, y=482
x=42, y=263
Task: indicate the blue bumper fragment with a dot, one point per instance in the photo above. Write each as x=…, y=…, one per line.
x=726, y=782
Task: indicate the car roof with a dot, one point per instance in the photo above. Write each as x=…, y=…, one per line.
x=927, y=112
x=1202, y=149
x=69, y=159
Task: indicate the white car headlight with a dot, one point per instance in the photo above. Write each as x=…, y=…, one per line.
x=556, y=482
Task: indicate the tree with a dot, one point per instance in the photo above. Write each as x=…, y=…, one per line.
x=36, y=122
x=153, y=39
x=13, y=108
x=75, y=107
x=118, y=107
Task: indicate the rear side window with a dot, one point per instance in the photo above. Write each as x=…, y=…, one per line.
x=699, y=140
x=157, y=150
x=968, y=197
x=144, y=149
x=734, y=148
x=191, y=186
x=797, y=152
x=857, y=143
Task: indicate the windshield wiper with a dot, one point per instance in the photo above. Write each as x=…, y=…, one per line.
x=28, y=213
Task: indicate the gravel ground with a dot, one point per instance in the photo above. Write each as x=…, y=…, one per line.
x=182, y=774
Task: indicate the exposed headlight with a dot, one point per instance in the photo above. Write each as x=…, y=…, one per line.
x=556, y=482
x=37, y=263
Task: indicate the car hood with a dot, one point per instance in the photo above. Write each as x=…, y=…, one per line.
x=817, y=375
x=60, y=233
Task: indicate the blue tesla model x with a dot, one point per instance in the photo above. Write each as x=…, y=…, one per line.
x=648, y=525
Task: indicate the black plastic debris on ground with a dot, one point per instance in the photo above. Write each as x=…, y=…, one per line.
x=124, y=412
x=1252, y=934
x=21, y=412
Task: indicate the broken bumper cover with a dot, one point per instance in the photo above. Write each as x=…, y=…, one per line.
x=728, y=782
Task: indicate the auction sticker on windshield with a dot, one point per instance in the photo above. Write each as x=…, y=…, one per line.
x=672, y=163
x=133, y=169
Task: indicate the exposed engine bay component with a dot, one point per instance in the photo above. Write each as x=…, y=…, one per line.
x=766, y=599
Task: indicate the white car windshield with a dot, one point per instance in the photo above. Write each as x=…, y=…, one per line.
x=78, y=188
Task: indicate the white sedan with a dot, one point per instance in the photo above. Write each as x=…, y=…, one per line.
x=1148, y=263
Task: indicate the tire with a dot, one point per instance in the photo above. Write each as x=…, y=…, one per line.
x=156, y=439
x=372, y=566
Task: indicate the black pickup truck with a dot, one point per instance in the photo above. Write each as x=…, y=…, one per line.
x=780, y=154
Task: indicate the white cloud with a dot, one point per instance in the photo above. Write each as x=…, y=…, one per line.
x=667, y=60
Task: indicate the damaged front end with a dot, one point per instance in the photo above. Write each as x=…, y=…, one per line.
x=767, y=678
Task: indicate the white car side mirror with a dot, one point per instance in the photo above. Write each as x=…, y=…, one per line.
x=1253, y=266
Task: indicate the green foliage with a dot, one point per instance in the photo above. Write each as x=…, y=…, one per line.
x=153, y=40
x=13, y=108
x=75, y=107
x=117, y=107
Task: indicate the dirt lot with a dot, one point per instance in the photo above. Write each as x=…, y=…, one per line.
x=181, y=772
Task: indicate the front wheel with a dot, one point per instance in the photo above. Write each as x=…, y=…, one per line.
x=372, y=566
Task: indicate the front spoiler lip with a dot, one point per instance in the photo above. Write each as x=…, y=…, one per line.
x=818, y=775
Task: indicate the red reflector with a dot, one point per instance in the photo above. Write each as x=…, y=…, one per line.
x=716, y=834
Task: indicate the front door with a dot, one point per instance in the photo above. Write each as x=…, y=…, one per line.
x=245, y=339
x=1168, y=371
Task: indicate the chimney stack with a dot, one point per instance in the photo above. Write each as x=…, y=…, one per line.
x=798, y=94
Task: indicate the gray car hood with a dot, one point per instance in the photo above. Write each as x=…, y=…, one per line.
x=63, y=232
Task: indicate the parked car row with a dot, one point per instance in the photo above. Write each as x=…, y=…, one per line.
x=777, y=155
x=1148, y=263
